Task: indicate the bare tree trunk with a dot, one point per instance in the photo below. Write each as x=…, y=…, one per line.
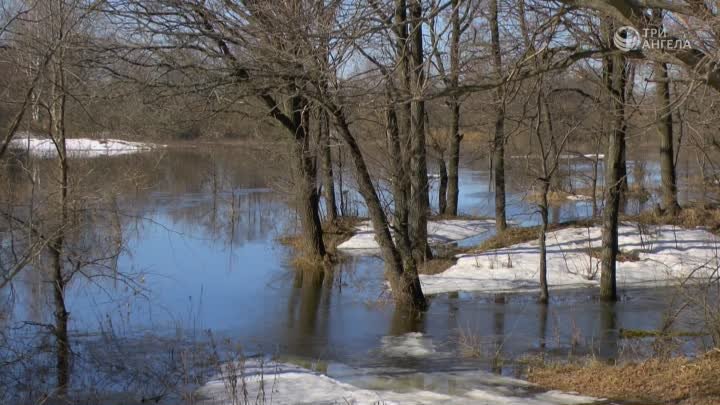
x=665, y=131
x=499, y=138
x=664, y=125
x=327, y=169
x=453, y=166
x=544, y=294
x=400, y=182
x=57, y=130
x=295, y=121
x=596, y=164
x=341, y=181
x=443, y=186
x=328, y=179
x=545, y=116
x=307, y=197
x=402, y=272
x=624, y=187
x=419, y=193
x=615, y=77
x=61, y=317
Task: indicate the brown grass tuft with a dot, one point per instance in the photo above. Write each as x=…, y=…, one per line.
x=513, y=236
x=436, y=265
x=334, y=233
x=664, y=381
x=623, y=255
x=688, y=217
x=337, y=232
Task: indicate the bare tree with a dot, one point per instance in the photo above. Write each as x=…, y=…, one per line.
x=498, y=147
x=664, y=125
x=615, y=77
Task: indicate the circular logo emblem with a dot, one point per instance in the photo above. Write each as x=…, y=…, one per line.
x=627, y=39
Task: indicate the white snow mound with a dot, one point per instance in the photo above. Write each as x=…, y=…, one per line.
x=439, y=232
x=281, y=383
x=666, y=255
x=79, y=147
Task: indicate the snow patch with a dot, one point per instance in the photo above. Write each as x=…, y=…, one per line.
x=578, y=197
x=590, y=156
x=666, y=254
x=439, y=232
x=79, y=147
x=281, y=383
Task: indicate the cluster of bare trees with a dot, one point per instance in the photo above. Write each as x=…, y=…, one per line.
x=359, y=78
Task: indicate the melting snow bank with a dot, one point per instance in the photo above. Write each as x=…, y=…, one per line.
x=441, y=231
x=281, y=383
x=662, y=255
x=79, y=147
x=590, y=156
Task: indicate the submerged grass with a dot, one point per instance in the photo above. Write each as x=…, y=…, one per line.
x=334, y=233
x=643, y=333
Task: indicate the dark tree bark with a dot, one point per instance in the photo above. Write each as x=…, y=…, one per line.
x=544, y=293
x=57, y=131
x=295, y=122
x=400, y=182
x=419, y=193
x=327, y=168
x=307, y=194
x=453, y=165
x=402, y=271
x=499, y=137
x=664, y=125
x=443, y=186
x=615, y=76
x=328, y=15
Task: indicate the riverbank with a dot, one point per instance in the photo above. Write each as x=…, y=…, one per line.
x=284, y=383
x=650, y=256
x=79, y=147
x=679, y=380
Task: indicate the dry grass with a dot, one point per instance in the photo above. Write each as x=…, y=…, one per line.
x=554, y=197
x=622, y=256
x=440, y=217
x=334, y=233
x=688, y=217
x=337, y=232
x=664, y=381
x=513, y=236
x=436, y=265
x=470, y=344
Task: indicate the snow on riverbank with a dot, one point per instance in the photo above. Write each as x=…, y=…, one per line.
x=440, y=231
x=281, y=383
x=79, y=147
x=666, y=254
x=589, y=156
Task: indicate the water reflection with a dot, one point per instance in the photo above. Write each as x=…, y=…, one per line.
x=608, y=337
x=200, y=229
x=308, y=311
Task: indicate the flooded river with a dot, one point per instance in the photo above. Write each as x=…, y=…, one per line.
x=201, y=257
